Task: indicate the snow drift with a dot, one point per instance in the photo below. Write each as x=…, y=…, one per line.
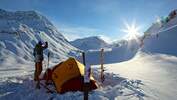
x=162, y=38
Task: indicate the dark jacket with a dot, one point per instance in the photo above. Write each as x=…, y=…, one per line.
x=38, y=52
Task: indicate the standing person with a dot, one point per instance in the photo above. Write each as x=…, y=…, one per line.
x=38, y=55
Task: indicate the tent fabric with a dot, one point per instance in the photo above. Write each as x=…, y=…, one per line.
x=68, y=76
x=76, y=84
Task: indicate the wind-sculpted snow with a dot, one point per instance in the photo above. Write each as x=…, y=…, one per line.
x=162, y=39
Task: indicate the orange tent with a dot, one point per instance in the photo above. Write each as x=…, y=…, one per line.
x=69, y=76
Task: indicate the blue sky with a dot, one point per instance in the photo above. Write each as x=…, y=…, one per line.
x=105, y=18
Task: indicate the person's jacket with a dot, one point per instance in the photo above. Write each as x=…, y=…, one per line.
x=38, y=52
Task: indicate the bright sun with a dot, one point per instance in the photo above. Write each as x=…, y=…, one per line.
x=131, y=30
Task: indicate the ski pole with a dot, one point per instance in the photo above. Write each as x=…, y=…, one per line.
x=48, y=59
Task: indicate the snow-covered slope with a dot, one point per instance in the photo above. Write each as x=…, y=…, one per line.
x=162, y=38
x=89, y=43
x=131, y=80
x=158, y=73
x=21, y=30
x=121, y=51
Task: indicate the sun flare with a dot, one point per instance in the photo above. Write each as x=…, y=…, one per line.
x=132, y=30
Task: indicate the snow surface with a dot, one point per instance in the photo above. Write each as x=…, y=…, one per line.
x=155, y=80
x=20, y=88
x=156, y=71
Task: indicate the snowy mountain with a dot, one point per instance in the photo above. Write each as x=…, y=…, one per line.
x=116, y=52
x=89, y=43
x=121, y=51
x=21, y=30
x=161, y=38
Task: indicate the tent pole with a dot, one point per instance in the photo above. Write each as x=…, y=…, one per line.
x=85, y=88
x=48, y=59
x=102, y=69
x=83, y=58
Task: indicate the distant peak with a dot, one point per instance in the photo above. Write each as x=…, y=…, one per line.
x=2, y=10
